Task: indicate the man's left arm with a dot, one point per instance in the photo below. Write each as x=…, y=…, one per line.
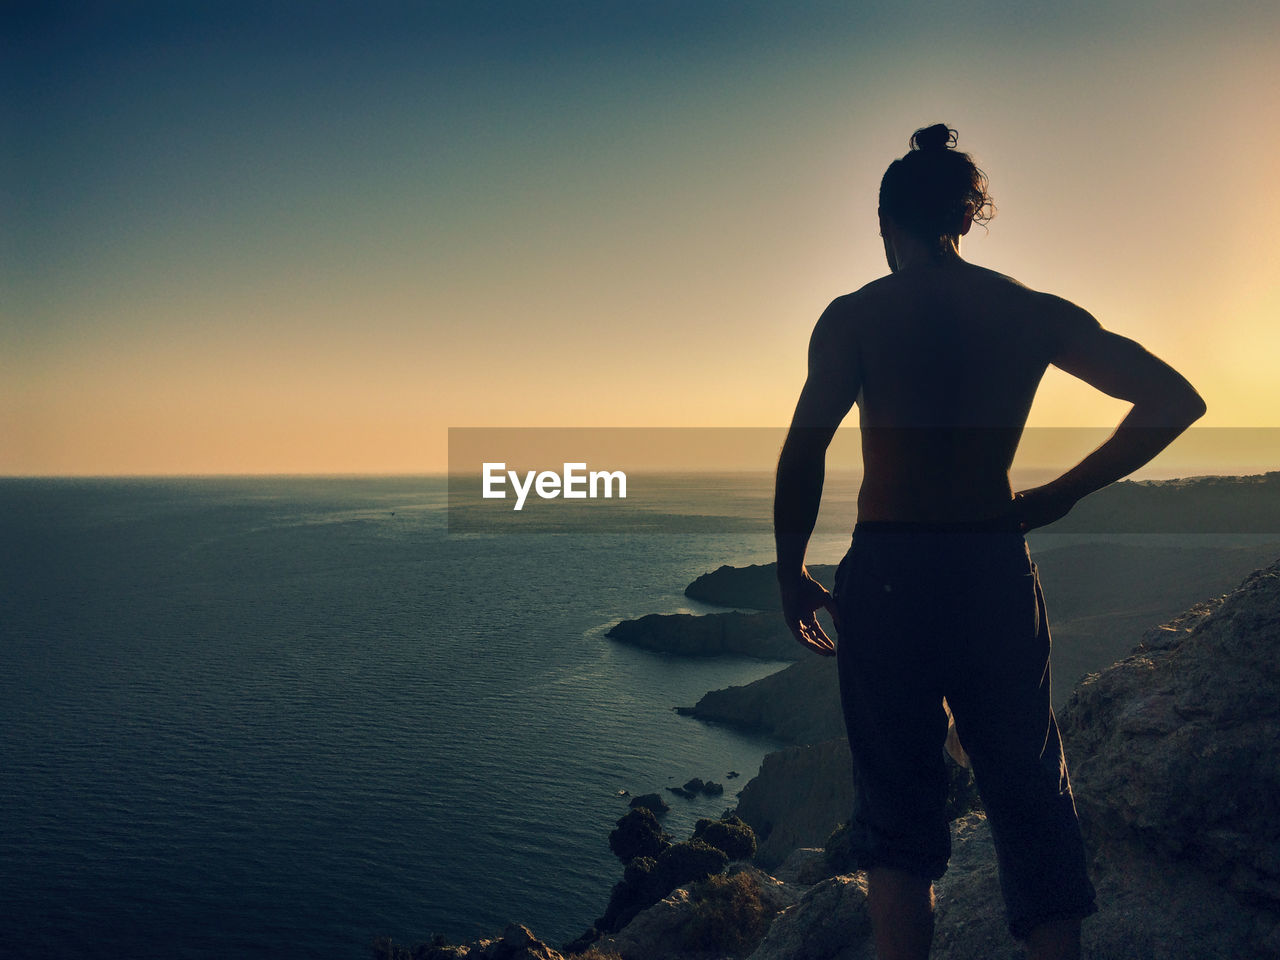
x=829, y=392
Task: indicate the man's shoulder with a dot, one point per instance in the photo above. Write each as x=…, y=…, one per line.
x=1059, y=321
x=999, y=279
x=866, y=297
x=1000, y=291
x=891, y=286
x=880, y=287
x=1049, y=307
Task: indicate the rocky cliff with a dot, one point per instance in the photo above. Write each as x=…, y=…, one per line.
x=799, y=797
x=1177, y=752
x=799, y=704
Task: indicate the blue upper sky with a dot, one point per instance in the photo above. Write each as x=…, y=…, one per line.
x=354, y=216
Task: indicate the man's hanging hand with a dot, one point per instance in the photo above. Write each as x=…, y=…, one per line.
x=802, y=597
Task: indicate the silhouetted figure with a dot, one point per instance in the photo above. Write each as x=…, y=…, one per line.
x=937, y=596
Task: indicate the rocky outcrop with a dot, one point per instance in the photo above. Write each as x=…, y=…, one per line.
x=650, y=801
x=762, y=635
x=799, y=704
x=1178, y=753
x=799, y=797
x=654, y=933
x=1147, y=908
x=830, y=922
x=663, y=931
x=516, y=943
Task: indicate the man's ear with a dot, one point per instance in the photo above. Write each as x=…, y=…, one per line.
x=880, y=217
x=966, y=221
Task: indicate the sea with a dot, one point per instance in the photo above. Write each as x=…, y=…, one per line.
x=264, y=716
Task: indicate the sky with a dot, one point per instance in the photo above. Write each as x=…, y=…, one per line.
x=311, y=238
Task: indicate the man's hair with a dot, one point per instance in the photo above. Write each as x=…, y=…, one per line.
x=928, y=191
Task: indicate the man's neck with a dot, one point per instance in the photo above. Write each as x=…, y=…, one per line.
x=909, y=252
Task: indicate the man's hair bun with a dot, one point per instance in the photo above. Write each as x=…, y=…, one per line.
x=937, y=137
x=933, y=188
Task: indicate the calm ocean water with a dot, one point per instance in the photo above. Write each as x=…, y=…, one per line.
x=253, y=715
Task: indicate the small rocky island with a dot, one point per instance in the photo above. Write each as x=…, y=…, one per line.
x=760, y=635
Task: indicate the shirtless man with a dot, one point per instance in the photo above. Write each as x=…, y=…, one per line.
x=937, y=597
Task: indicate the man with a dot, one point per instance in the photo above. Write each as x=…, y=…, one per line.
x=937, y=597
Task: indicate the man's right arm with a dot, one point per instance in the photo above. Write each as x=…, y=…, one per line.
x=1164, y=405
x=829, y=392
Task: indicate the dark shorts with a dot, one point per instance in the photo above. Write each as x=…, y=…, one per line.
x=926, y=613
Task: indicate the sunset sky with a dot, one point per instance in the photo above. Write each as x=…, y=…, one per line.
x=261, y=238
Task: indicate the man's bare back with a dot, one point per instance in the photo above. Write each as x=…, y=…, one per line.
x=943, y=360
x=948, y=357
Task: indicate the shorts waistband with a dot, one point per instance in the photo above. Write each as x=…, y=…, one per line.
x=1007, y=524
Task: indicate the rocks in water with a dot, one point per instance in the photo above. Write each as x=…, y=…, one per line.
x=650, y=876
x=651, y=801
x=647, y=880
x=697, y=786
x=761, y=635
x=638, y=834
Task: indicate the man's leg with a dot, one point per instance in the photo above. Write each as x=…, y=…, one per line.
x=901, y=906
x=1054, y=940
x=1002, y=702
